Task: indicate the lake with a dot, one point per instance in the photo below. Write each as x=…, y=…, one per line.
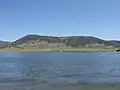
x=59, y=68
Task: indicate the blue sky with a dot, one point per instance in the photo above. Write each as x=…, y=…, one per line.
x=99, y=18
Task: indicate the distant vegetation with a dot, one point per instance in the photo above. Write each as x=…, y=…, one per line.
x=61, y=43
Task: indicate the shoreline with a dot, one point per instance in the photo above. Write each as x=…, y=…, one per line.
x=59, y=50
x=39, y=86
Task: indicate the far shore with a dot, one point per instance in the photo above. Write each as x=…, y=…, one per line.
x=66, y=87
x=59, y=50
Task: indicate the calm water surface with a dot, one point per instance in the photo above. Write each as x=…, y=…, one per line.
x=60, y=67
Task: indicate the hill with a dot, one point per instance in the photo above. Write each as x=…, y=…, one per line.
x=115, y=43
x=38, y=41
x=77, y=41
x=4, y=43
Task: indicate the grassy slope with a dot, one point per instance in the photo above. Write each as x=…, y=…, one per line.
x=55, y=47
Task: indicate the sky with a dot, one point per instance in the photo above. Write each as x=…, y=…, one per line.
x=99, y=18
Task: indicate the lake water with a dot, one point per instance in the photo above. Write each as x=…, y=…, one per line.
x=59, y=68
